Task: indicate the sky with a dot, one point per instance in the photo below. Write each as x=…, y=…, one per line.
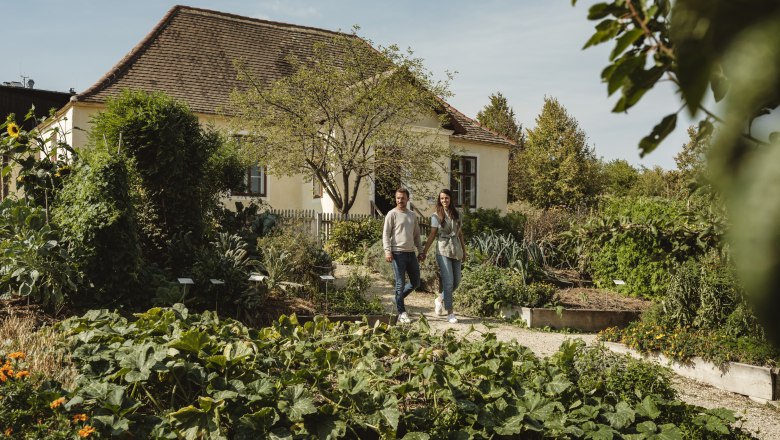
x=525, y=49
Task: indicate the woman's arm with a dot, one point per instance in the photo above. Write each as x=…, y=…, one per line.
x=428, y=242
x=462, y=242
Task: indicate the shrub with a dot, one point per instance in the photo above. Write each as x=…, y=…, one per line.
x=225, y=259
x=598, y=371
x=484, y=220
x=300, y=253
x=640, y=240
x=485, y=290
x=353, y=299
x=349, y=239
x=96, y=214
x=529, y=258
x=34, y=262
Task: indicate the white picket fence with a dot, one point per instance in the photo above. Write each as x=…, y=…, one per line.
x=320, y=224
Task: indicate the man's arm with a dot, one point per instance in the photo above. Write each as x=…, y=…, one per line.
x=387, y=233
x=417, y=239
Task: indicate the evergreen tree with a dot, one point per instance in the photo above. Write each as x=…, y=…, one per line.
x=561, y=168
x=499, y=117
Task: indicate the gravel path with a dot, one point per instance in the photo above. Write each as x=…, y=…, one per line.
x=761, y=419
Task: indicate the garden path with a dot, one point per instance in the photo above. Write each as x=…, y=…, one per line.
x=761, y=419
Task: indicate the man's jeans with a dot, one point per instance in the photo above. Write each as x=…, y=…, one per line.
x=405, y=263
x=450, y=278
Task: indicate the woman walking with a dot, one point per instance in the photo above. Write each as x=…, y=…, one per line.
x=450, y=251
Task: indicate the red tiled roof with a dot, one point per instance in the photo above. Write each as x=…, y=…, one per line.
x=189, y=55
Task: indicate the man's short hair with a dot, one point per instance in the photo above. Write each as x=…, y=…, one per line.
x=403, y=190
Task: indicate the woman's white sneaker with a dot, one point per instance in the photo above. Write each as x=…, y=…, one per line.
x=452, y=319
x=438, y=308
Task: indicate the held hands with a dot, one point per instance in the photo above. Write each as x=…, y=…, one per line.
x=421, y=256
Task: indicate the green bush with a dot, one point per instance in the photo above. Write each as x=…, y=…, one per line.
x=640, y=241
x=34, y=261
x=353, y=299
x=484, y=220
x=485, y=290
x=349, y=239
x=225, y=259
x=297, y=254
x=96, y=214
x=599, y=371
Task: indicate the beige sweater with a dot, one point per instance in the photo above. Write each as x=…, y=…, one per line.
x=401, y=232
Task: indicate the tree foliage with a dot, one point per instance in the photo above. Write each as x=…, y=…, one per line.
x=731, y=49
x=95, y=211
x=560, y=168
x=181, y=167
x=345, y=115
x=500, y=117
x=618, y=177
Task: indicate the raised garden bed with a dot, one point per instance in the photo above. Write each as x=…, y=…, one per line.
x=589, y=310
x=758, y=383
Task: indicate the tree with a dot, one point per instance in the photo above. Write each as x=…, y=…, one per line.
x=618, y=177
x=733, y=50
x=345, y=115
x=500, y=117
x=179, y=165
x=559, y=165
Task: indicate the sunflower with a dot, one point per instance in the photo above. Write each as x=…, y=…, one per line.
x=12, y=129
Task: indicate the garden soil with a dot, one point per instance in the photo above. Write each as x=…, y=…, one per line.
x=761, y=419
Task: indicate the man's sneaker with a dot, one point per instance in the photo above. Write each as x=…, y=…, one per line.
x=452, y=319
x=438, y=309
x=403, y=318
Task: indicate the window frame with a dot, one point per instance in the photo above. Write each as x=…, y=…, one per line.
x=456, y=180
x=262, y=170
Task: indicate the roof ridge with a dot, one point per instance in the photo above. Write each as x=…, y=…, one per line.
x=261, y=20
x=476, y=122
x=138, y=49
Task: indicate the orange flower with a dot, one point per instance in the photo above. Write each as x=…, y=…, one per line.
x=21, y=374
x=56, y=403
x=86, y=431
x=3, y=377
x=80, y=418
x=8, y=431
x=17, y=355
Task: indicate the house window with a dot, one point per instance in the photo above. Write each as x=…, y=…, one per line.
x=256, y=182
x=463, y=181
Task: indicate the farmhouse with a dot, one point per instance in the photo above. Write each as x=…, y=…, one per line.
x=190, y=56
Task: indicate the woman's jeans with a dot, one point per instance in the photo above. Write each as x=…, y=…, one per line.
x=450, y=278
x=405, y=263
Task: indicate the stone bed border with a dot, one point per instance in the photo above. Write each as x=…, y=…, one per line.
x=589, y=320
x=758, y=383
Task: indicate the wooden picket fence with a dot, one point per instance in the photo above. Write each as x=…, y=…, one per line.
x=321, y=224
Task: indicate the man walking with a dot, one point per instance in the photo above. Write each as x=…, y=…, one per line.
x=401, y=237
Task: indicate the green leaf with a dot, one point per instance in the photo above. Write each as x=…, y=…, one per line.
x=646, y=427
x=416, y=436
x=606, y=30
x=297, y=402
x=192, y=341
x=622, y=417
x=257, y=424
x=659, y=133
x=558, y=385
x=670, y=432
x=647, y=408
x=628, y=38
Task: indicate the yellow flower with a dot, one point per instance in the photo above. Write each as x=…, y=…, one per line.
x=86, y=431
x=17, y=355
x=12, y=129
x=22, y=374
x=80, y=418
x=9, y=431
x=56, y=403
x=660, y=336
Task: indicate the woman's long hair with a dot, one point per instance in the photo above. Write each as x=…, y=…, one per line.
x=453, y=213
